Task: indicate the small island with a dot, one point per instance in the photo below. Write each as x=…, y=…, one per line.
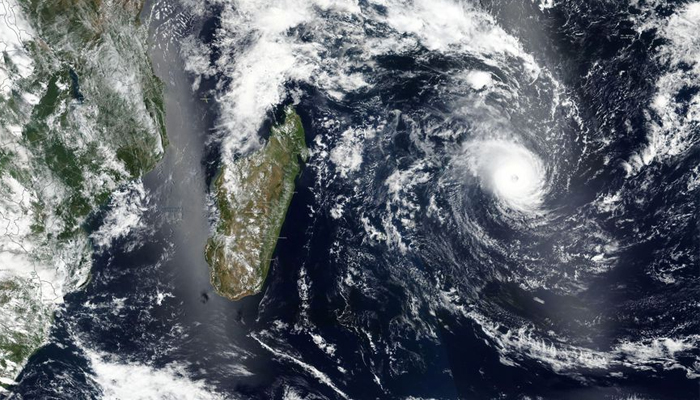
x=252, y=196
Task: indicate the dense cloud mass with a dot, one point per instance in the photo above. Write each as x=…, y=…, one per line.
x=499, y=201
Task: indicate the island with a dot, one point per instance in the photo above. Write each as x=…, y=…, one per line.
x=252, y=196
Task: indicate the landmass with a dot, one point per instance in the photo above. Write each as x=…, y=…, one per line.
x=81, y=114
x=252, y=195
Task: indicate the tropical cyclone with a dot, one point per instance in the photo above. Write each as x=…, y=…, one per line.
x=252, y=196
x=81, y=114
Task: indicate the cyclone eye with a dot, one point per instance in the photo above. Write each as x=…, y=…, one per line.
x=511, y=172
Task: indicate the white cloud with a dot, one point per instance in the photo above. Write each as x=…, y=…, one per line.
x=127, y=380
x=262, y=51
x=125, y=215
x=673, y=125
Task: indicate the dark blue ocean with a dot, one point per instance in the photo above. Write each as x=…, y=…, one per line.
x=448, y=315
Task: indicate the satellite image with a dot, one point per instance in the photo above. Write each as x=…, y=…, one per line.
x=350, y=199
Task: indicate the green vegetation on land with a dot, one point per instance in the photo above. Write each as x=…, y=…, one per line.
x=252, y=195
x=97, y=122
